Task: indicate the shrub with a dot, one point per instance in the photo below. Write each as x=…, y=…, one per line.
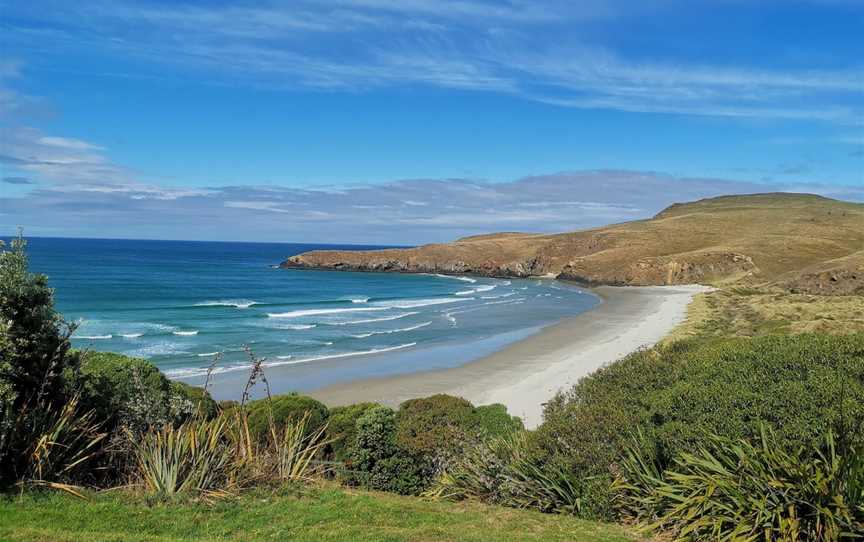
x=342, y=427
x=35, y=347
x=504, y=471
x=376, y=460
x=285, y=409
x=494, y=421
x=34, y=358
x=436, y=427
x=801, y=386
x=133, y=393
x=734, y=490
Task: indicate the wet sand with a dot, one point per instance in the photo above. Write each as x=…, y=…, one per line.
x=527, y=374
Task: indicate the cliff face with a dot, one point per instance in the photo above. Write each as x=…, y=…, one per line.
x=788, y=239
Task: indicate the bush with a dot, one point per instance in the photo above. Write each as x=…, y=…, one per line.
x=285, y=409
x=800, y=386
x=342, y=428
x=35, y=356
x=133, y=393
x=494, y=421
x=34, y=338
x=734, y=490
x=437, y=427
x=376, y=460
x=503, y=471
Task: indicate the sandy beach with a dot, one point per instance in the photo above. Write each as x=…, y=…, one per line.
x=525, y=375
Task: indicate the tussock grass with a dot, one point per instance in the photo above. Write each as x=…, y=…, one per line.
x=752, y=312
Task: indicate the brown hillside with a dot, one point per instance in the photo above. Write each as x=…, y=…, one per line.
x=802, y=242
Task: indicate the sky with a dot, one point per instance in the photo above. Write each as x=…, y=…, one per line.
x=413, y=121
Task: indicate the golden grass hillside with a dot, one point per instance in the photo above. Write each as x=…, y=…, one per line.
x=799, y=242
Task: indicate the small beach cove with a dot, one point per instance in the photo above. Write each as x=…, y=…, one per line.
x=526, y=374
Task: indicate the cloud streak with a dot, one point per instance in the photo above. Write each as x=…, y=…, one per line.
x=465, y=45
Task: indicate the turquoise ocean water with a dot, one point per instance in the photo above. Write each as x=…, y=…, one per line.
x=178, y=303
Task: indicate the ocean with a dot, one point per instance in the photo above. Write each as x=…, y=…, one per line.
x=179, y=303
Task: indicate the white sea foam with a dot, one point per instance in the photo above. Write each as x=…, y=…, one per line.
x=414, y=303
x=345, y=354
x=477, y=290
x=208, y=354
x=296, y=327
x=188, y=372
x=317, y=312
x=236, y=303
x=389, y=331
x=359, y=299
x=372, y=320
x=131, y=335
x=497, y=296
x=185, y=333
x=454, y=277
x=94, y=337
x=161, y=348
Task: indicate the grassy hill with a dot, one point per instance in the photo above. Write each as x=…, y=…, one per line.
x=799, y=242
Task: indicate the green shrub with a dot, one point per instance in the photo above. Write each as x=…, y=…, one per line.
x=376, y=461
x=504, y=471
x=801, y=386
x=437, y=427
x=289, y=408
x=494, y=421
x=133, y=393
x=342, y=427
x=34, y=338
x=35, y=358
x=734, y=490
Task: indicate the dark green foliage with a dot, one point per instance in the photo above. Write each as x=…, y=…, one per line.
x=34, y=338
x=133, y=393
x=437, y=427
x=285, y=408
x=494, y=421
x=404, y=451
x=801, y=386
x=342, y=428
x=504, y=471
x=376, y=461
x=733, y=490
x=35, y=357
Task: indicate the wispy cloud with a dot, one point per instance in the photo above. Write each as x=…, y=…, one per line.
x=459, y=44
x=406, y=212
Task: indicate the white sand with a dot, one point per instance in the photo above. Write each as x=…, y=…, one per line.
x=564, y=365
x=525, y=375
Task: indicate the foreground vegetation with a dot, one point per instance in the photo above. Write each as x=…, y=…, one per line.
x=756, y=437
x=311, y=514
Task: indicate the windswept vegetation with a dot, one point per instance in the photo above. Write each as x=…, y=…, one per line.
x=748, y=424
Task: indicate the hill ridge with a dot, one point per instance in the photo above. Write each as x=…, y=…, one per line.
x=801, y=242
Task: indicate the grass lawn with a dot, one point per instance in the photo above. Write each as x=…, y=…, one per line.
x=316, y=515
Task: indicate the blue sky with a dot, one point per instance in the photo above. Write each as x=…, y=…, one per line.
x=417, y=120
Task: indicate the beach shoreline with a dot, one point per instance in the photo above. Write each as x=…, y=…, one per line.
x=525, y=375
